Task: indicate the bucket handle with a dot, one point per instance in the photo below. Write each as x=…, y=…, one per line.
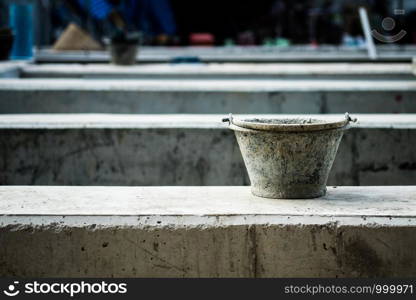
x=229, y=119
x=347, y=117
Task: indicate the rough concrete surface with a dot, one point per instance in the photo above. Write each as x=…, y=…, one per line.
x=205, y=232
x=181, y=150
x=206, y=96
x=223, y=71
x=240, y=54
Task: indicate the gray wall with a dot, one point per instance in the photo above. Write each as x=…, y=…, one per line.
x=72, y=101
x=183, y=156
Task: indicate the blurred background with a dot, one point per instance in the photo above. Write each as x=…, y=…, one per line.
x=218, y=23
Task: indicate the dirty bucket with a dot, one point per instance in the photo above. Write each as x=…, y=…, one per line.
x=289, y=158
x=123, y=54
x=124, y=48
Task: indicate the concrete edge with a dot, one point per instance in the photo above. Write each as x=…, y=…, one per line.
x=216, y=69
x=163, y=221
x=12, y=69
x=180, y=121
x=207, y=85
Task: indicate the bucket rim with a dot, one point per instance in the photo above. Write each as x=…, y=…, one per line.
x=296, y=124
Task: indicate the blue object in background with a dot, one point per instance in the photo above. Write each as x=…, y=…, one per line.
x=21, y=22
x=156, y=17
x=99, y=9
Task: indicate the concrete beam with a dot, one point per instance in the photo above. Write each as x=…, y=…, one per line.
x=387, y=53
x=205, y=232
x=206, y=96
x=223, y=71
x=180, y=150
x=11, y=69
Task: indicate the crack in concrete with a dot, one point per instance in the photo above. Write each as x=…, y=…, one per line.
x=252, y=238
x=168, y=264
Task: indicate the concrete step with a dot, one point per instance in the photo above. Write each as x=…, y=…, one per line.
x=206, y=96
x=206, y=232
x=99, y=149
x=223, y=71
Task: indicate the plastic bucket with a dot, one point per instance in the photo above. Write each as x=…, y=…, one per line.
x=289, y=158
x=123, y=53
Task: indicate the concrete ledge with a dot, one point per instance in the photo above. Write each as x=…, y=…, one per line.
x=206, y=232
x=206, y=85
x=206, y=96
x=180, y=150
x=159, y=121
x=11, y=69
x=223, y=71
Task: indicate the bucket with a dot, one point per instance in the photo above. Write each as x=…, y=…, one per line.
x=124, y=47
x=123, y=53
x=289, y=158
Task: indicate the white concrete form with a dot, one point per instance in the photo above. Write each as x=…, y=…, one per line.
x=206, y=96
x=392, y=53
x=94, y=149
x=205, y=232
x=397, y=71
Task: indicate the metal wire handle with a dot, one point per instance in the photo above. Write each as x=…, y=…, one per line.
x=229, y=119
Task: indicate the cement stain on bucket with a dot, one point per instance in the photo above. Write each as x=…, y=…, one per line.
x=289, y=158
